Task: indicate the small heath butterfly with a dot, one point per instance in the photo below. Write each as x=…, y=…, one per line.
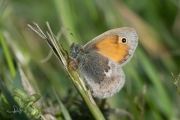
x=99, y=61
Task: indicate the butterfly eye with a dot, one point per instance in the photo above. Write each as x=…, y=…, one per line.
x=124, y=40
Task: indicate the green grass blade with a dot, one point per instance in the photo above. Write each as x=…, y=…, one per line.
x=63, y=108
x=7, y=55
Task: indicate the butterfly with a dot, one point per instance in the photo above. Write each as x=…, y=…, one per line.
x=99, y=61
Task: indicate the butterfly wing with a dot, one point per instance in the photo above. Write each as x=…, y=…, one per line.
x=103, y=76
x=117, y=44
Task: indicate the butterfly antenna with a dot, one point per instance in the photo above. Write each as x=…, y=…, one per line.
x=71, y=34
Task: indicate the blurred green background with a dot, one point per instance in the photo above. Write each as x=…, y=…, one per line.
x=157, y=23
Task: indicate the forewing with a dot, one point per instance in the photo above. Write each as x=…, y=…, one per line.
x=111, y=45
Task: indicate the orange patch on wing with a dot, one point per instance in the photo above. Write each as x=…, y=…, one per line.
x=113, y=48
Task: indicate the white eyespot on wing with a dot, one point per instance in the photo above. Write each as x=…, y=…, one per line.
x=108, y=73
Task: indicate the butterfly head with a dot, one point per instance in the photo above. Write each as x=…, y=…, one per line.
x=75, y=49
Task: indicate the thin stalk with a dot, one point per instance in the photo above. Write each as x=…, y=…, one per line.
x=7, y=55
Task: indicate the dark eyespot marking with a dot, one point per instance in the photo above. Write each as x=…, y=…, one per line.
x=124, y=40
